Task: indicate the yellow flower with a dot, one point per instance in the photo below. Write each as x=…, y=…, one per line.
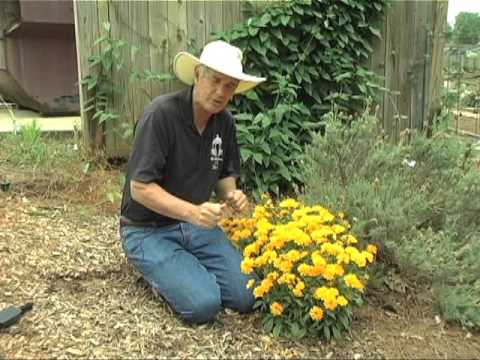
x=330, y=303
x=298, y=290
x=247, y=265
x=251, y=249
x=263, y=289
x=287, y=278
x=342, y=301
x=312, y=271
x=260, y=212
x=289, y=204
x=321, y=234
x=338, y=229
x=250, y=283
x=273, y=276
x=318, y=259
x=316, y=313
x=351, y=280
x=368, y=256
x=294, y=255
x=349, y=239
x=359, y=259
x=283, y=265
x=332, y=271
x=372, y=249
x=276, y=309
x=343, y=258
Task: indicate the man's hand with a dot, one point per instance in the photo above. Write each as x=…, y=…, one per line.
x=237, y=200
x=208, y=215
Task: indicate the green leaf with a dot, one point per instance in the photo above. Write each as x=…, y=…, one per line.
x=375, y=32
x=265, y=19
x=258, y=158
x=257, y=304
x=252, y=31
x=107, y=26
x=258, y=47
x=343, y=76
x=336, y=333
x=284, y=19
x=245, y=154
x=277, y=330
x=326, y=333
x=266, y=148
x=268, y=324
x=266, y=121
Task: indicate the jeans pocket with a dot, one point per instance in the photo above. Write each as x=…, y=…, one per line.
x=132, y=241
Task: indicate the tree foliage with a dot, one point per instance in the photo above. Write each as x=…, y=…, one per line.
x=467, y=28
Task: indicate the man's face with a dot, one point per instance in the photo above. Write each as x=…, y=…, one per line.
x=213, y=90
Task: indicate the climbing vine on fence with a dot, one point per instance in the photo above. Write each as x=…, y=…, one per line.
x=319, y=48
x=322, y=46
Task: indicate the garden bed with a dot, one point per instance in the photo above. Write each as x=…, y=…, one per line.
x=68, y=261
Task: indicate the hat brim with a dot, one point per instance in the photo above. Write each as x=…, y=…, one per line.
x=184, y=68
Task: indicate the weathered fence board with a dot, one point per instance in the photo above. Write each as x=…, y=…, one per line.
x=408, y=57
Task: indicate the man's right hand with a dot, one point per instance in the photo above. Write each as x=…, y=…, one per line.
x=208, y=214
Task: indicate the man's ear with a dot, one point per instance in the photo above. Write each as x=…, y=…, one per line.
x=196, y=73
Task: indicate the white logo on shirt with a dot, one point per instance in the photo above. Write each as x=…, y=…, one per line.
x=216, y=152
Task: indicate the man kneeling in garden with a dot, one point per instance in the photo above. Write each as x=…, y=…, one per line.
x=185, y=148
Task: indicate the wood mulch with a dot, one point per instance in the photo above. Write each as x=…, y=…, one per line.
x=88, y=303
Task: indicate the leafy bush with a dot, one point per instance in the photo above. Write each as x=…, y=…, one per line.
x=320, y=46
x=311, y=272
x=271, y=143
x=313, y=53
x=418, y=199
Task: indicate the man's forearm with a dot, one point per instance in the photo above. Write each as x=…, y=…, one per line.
x=155, y=198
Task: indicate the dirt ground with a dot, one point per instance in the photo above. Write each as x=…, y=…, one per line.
x=68, y=261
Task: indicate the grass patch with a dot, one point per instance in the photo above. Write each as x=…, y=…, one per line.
x=56, y=167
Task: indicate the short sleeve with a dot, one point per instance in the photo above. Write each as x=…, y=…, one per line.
x=231, y=163
x=150, y=149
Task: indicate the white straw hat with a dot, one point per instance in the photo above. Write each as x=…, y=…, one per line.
x=219, y=56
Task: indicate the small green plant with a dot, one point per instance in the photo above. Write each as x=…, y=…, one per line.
x=100, y=82
x=30, y=147
x=102, y=87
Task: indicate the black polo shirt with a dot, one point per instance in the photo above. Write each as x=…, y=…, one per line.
x=169, y=150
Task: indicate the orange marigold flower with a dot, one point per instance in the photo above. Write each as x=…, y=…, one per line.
x=276, y=309
x=372, y=249
x=351, y=280
x=316, y=313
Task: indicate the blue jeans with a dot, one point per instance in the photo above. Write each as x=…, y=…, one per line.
x=196, y=270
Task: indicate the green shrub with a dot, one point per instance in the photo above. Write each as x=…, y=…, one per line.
x=313, y=53
x=419, y=200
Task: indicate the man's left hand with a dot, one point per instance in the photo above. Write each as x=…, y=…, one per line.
x=237, y=200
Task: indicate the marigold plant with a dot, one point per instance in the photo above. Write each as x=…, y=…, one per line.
x=311, y=269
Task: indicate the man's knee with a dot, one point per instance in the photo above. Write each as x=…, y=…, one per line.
x=203, y=309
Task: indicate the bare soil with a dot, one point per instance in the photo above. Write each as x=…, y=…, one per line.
x=66, y=258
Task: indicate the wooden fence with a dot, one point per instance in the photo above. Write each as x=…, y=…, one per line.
x=409, y=56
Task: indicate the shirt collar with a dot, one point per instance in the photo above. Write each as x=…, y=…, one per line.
x=186, y=108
